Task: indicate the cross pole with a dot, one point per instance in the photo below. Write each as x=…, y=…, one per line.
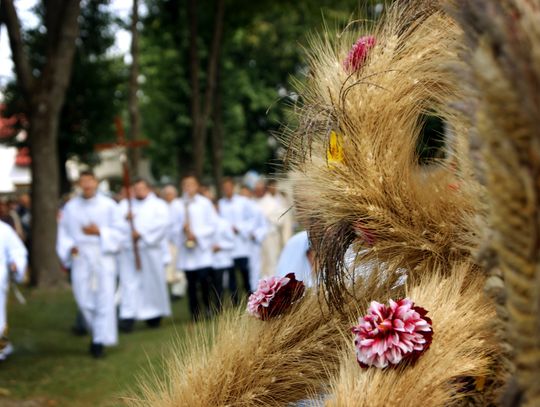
x=123, y=143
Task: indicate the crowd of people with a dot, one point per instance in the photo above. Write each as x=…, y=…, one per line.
x=129, y=257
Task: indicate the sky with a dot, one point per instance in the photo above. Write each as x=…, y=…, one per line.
x=121, y=8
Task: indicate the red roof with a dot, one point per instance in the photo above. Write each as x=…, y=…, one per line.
x=22, y=159
x=7, y=124
x=8, y=129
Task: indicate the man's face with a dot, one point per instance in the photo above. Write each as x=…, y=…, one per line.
x=271, y=188
x=259, y=190
x=88, y=185
x=4, y=210
x=169, y=194
x=140, y=190
x=24, y=200
x=228, y=189
x=190, y=186
x=246, y=192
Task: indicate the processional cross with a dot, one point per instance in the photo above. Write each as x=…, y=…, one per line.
x=125, y=145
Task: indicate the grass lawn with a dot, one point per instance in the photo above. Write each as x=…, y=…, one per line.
x=51, y=367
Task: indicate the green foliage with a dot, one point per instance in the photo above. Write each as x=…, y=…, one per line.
x=262, y=51
x=262, y=54
x=97, y=87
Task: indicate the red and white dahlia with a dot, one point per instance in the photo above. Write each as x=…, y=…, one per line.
x=391, y=334
x=358, y=53
x=275, y=295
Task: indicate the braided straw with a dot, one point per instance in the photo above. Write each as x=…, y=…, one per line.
x=505, y=62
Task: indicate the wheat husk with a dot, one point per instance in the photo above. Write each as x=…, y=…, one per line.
x=463, y=347
x=412, y=211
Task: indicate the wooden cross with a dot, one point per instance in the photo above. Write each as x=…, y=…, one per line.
x=125, y=144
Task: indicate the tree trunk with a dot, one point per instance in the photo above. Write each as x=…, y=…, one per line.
x=199, y=118
x=134, y=115
x=217, y=141
x=43, y=131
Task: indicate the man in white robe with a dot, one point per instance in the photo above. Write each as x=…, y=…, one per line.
x=88, y=240
x=143, y=293
x=273, y=210
x=13, y=261
x=193, y=227
x=222, y=248
x=239, y=212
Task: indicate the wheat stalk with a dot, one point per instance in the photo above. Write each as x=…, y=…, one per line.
x=505, y=71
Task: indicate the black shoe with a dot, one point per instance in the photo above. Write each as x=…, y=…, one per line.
x=126, y=325
x=153, y=322
x=96, y=350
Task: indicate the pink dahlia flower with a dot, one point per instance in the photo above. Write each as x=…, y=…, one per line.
x=274, y=295
x=388, y=335
x=358, y=53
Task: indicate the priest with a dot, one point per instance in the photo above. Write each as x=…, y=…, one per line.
x=238, y=211
x=143, y=285
x=88, y=240
x=13, y=260
x=193, y=228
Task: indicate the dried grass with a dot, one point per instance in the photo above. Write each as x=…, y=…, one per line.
x=246, y=362
x=415, y=214
x=251, y=362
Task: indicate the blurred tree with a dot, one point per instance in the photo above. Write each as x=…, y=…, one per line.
x=97, y=87
x=261, y=51
x=96, y=90
x=44, y=91
x=133, y=99
x=201, y=108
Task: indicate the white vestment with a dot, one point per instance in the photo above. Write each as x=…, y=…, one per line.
x=93, y=269
x=12, y=251
x=224, y=242
x=202, y=219
x=273, y=209
x=294, y=259
x=143, y=293
x=238, y=211
x=258, y=234
x=176, y=278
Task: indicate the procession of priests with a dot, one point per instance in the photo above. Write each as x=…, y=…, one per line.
x=128, y=258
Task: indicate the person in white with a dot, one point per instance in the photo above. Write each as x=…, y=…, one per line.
x=88, y=240
x=238, y=211
x=273, y=210
x=297, y=257
x=13, y=261
x=286, y=220
x=193, y=228
x=223, y=246
x=260, y=228
x=143, y=292
x=176, y=278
